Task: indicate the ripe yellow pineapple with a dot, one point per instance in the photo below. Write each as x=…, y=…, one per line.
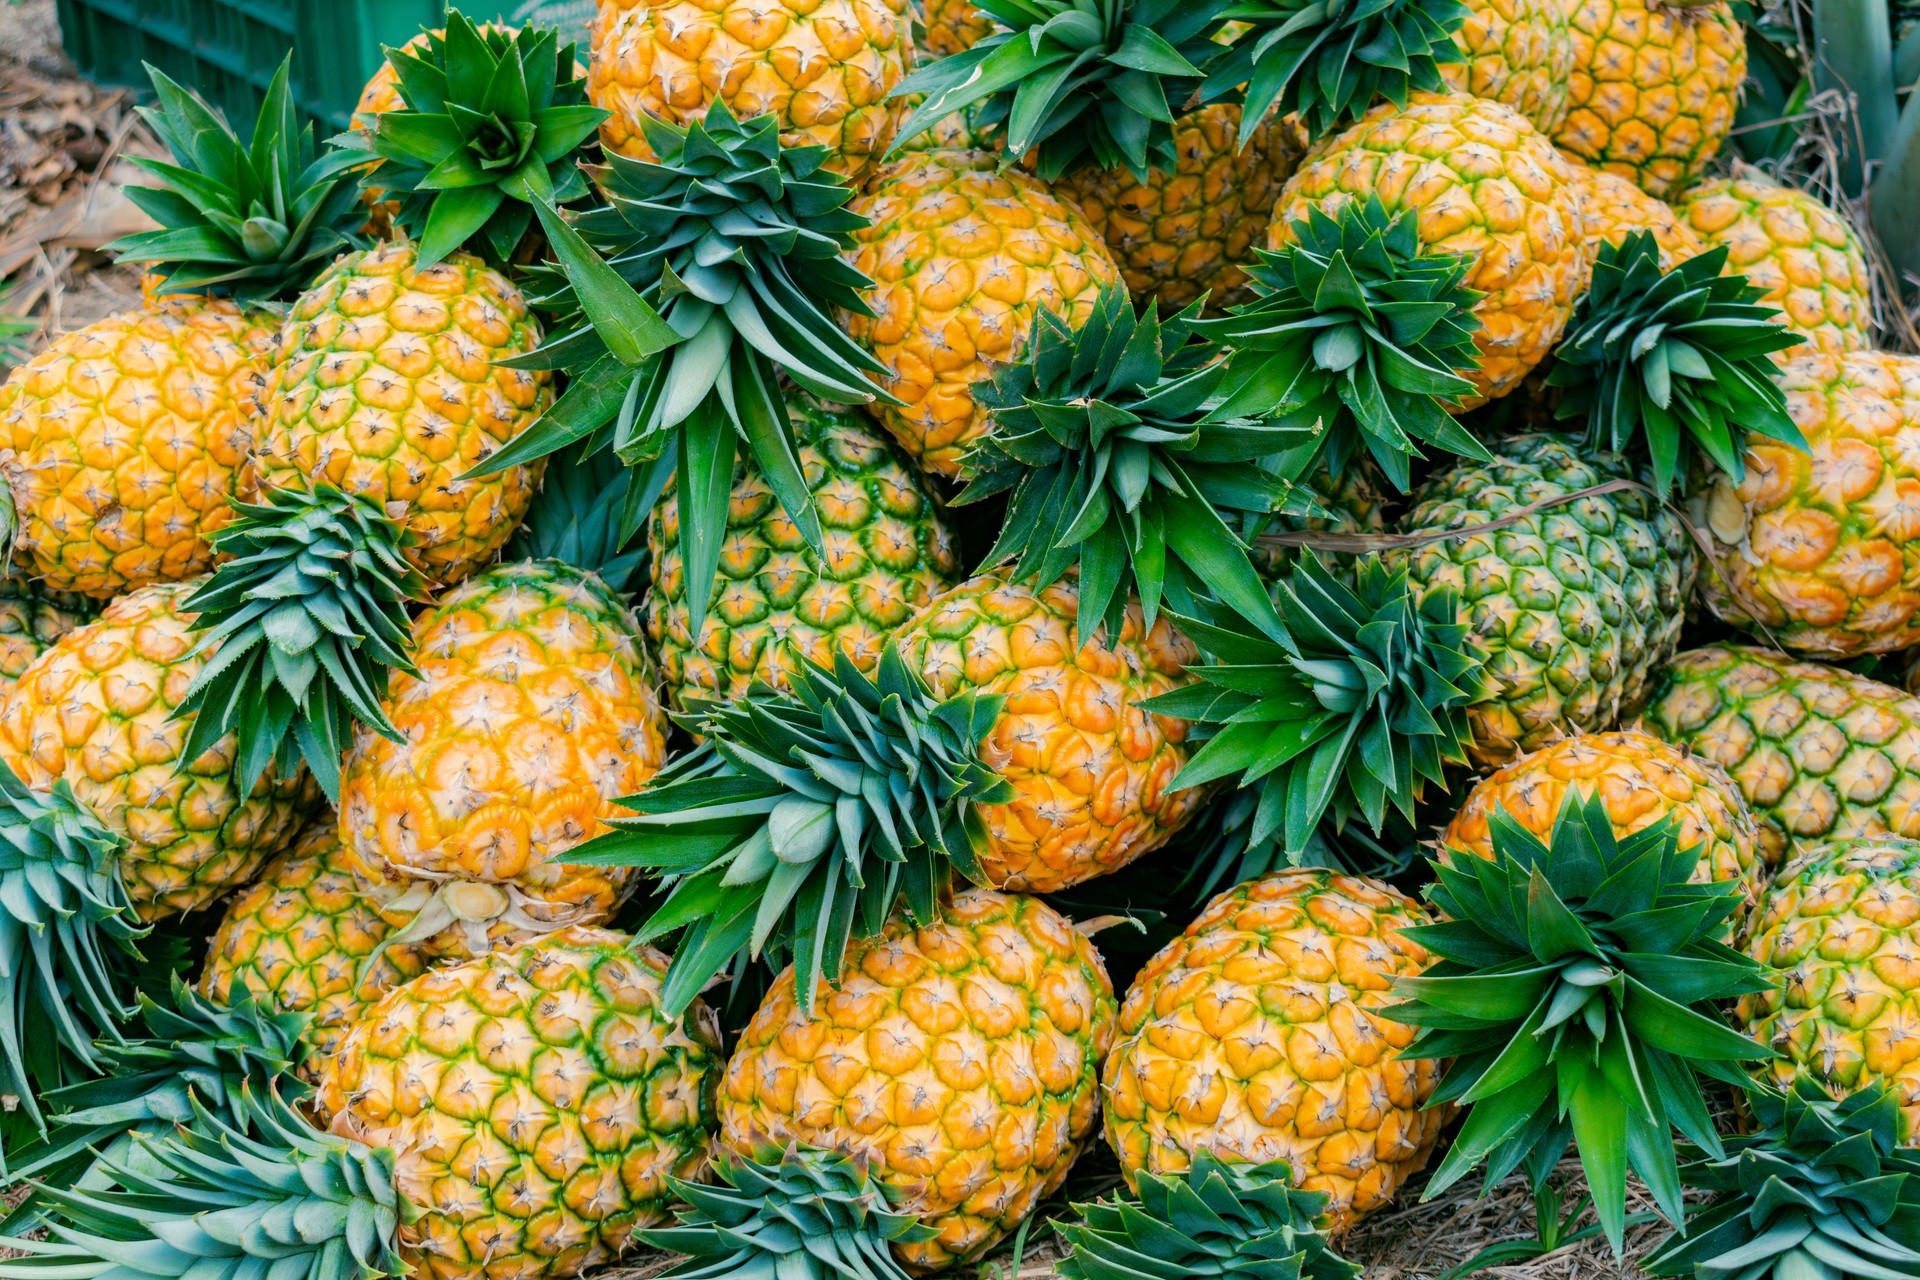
x=1839, y=936
x=1823, y=548
x=97, y=710
x=961, y=1059
x=1807, y=257
x=1257, y=1034
x=31, y=619
x=1184, y=236
x=1654, y=87
x=963, y=252
x=536, y=1101
x=1090, y=768
x=1516, y=52
x=386, y=387
x=119, y=443
x=824, y=69
x=305, y=936
x=952, y=25
x=1640, y=780
x=1612, y=208
x=889, y=550
x=534, y=710
x=1483, y=181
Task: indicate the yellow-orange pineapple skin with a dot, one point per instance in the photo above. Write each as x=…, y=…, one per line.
x=1612, y=208
x=537, y=1100
x=1091, y=769
x=1518, y=53
x=534, y=710
x=953, y=26
x=120, y=443
x=1823, y=548
x=1654, y=88
x=304, y=936
x=1481, y=181
x=1258, y=1034
x=1640, y=780
x=824, y=69
x=1186, y=235
x=386, y=386
x=1839, y=938
x=1806, y=257
x=31, y=619
x=98, y=710
x=963, y=252
x=960, y=1059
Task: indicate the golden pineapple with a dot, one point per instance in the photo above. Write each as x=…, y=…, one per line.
x=1819, y=753
x=1640, y=780
x=960, y=1059
x=307, y=937
x=1186, y=235
x=952, y=26
x=120, y=442
x=1839, y=936
x=889, y=551
x=536, y=1101
x=1090, y=768
x=1482, y=181
x=31, y=619
x=824, y=69
x=386, y=386
x=1808, y=258
x=534, y=710
x=1518, y=53
x=1612, y=208
x=1654, y=87
x=963, y=253
x=97, y=709
x=1823, y=548
x=1257, y=1034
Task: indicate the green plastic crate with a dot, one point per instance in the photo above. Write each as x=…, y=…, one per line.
x=228, y=49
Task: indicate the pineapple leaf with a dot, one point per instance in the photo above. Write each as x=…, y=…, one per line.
x=588, y=514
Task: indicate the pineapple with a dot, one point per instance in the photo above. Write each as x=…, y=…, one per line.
x=1485, y=183
x=1839, y=939
x=1808, y=258
x=952, y=25
x=533, y=711
x=1184, y=236
x=963, y=253
x=1090, y=769
x=1654, y=87
x=824, y=71
x=889, y=550
x=1639, y=780
x=1573, y=606
x=1355, y=502
x=1612, y=208
x=98, y=711
x=1518, y=53
x=1257, y=1035
x=960, y=1060
x=305, y=937
x=1822, y=548
x=31, y=619
x=1820, y=754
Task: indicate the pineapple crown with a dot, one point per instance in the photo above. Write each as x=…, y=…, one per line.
x=255, y=222
x=1217, y=849
x=1106, y=440
x=702, y=273
x=1679, y=357
x=1819, y=1188
x=806, y=814
x=488, y=129
x=1077, y=82
x=1217, y=1218
x=1354, y=706
x=193, y=1051
x=1356, y=334
x=1328, y=63
x=1574, y=991
x=211, y=1200
x=802, y=1213
x=63, y=911
x=302, y=625
x=586, y=514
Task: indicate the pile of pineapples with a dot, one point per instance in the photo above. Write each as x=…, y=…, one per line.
x=599, y=664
